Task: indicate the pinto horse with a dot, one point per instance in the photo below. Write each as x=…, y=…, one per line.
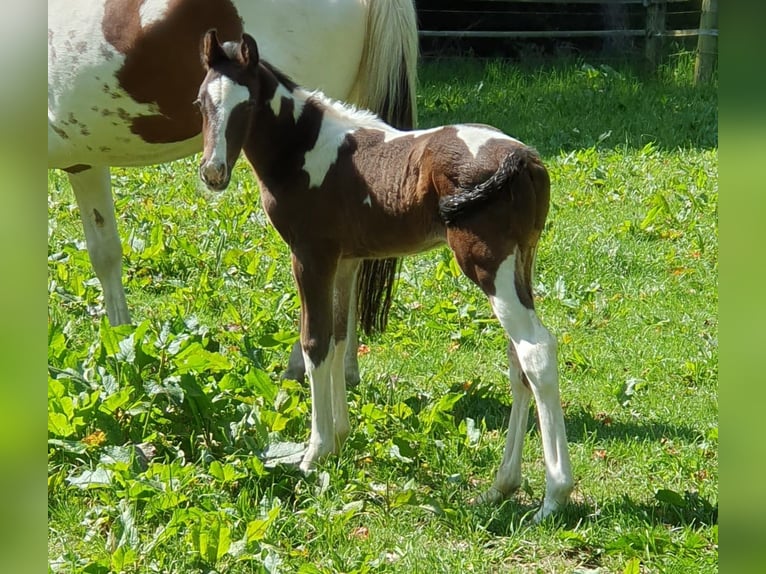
x=123, y=75
x=340, y=186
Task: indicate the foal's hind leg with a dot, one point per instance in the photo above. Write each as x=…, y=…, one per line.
x=344, y=330
x=508, y=477
x=92, y=189
x=536, y=350
x=533, y=367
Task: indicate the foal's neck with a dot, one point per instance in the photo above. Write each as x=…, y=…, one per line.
x=284, y=127
x=290, y=122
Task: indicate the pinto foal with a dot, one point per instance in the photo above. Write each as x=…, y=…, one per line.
x=340, y=185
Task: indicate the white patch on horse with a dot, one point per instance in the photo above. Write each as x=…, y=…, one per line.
x=391, y=134
x=338, y=120
x=476, y=136
x=90, y=115
x=152, y=11
x=225, y=94
x=281, y=95
x=318, y=160
x=367, y=201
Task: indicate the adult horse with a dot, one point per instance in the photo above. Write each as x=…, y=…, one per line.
x=123, y=76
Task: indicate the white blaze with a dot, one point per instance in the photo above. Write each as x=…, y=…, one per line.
x=225, y=94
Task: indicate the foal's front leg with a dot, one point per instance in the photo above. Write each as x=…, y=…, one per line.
x=315, y=275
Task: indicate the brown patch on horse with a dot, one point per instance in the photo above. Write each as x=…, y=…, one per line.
x=61, y=133
x=162, y=64
x=51, y=49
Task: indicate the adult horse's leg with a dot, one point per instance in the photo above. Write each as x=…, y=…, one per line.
x=92, y=190
x=315, y=275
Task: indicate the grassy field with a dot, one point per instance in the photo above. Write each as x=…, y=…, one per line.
x=165, y=437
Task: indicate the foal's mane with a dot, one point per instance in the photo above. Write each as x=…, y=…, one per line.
x=281, y=77
x=341, y=112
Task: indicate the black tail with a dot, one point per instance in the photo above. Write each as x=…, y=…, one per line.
x=375, y=291
x=454, y=207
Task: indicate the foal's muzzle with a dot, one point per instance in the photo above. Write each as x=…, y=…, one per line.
x=215, y=175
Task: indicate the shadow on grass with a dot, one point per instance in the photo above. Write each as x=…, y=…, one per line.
x=690, y=511
x=483, y=404
x=582, y=425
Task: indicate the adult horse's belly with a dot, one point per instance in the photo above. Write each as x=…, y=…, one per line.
x=319, y=43
x=110, y=145
x=123, y=76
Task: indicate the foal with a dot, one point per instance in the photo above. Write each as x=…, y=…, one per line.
x=340, y=185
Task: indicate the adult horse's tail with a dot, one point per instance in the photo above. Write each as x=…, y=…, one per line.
x=386, y=85
x=387, y=76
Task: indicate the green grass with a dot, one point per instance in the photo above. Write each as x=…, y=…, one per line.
x=154, y=429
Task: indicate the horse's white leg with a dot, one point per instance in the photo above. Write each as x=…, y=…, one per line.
x=536, y=350
x=92, y=190
x=508, y=477
x=315, y=275
x=322, y=439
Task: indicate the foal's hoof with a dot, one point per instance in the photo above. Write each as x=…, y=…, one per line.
x=307, y=467
x=313, y=455
x=548, y=508
x=491, y=496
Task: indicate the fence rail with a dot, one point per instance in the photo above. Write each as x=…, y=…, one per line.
x=474, y=19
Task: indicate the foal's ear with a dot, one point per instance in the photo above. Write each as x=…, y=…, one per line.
x=248, y=50
x=211, y=50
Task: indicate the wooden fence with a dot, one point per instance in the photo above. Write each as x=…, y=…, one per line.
x=550, y=19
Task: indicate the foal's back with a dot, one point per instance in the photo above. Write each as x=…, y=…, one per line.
x=384, y=189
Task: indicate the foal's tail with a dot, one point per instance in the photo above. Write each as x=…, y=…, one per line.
x=522, y=179
x=521, y=164
x=386, y=85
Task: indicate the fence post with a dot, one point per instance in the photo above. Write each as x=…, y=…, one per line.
x=655, y=28
x=707, y=42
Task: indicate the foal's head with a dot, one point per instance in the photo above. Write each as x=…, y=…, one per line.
x=226, y=99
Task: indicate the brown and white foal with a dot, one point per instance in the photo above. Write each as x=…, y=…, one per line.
x=340, y=185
